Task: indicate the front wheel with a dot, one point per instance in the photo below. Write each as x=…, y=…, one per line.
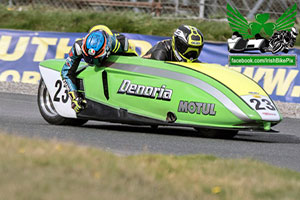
x=48, y=111
x=214, y=133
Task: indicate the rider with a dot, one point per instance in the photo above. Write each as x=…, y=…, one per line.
x=94, y=48
x=283, y=40
x=185, y=46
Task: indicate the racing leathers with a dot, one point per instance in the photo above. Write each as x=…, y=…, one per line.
x=117, y=44
x=161, y=51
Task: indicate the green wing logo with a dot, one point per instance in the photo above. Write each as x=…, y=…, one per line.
x=248, y=30
x=237, y=22
x=287, y=20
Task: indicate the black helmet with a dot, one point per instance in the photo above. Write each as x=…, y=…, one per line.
x=187, y=43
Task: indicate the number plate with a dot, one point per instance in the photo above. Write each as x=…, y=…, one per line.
x=263, y=106
x=58, y=93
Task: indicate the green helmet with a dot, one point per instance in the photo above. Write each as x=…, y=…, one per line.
x=187, y=43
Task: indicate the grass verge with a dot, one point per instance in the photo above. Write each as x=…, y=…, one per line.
x=53, y=19
x=36, y=169
x=81, y=21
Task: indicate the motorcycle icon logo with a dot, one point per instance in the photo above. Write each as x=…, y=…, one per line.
x=279, y=36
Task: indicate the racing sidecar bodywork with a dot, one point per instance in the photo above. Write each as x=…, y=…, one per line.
x=134, y=90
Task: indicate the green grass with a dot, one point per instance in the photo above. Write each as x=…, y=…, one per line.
x=35, y=169
x=81, y=21
x=50, y=19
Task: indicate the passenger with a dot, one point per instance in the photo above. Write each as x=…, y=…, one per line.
x=185, y=46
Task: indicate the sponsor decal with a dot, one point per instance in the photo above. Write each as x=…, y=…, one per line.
x=196, y=43
x=197, y=107
x=145, y=91
x=265, y=113
x=256, y=96
x=253, y=93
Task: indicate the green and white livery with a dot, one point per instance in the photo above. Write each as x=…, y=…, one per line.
x=133, y=90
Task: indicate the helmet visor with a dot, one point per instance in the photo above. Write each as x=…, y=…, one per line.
x=180, y=45
x=188, y=51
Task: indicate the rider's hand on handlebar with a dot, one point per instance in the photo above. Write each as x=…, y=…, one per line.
x=78, y=103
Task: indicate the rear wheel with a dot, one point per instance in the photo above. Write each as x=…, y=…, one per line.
x=48, y=111
x=154, y=127
x=214, y=133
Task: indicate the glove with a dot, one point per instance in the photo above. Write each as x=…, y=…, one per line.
x=78, y=103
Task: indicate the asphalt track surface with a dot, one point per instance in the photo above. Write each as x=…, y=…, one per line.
x=19, y=115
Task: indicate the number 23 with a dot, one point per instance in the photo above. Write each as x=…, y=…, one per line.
x=258, y=105
x=64, y=98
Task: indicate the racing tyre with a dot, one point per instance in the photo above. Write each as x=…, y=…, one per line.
x=154, y=128
x=48, y=111
x=213, y=133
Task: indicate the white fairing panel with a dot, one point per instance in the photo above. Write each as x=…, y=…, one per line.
x=232, y=42
x=256, y=43
x=58, y=92
x=263, y=106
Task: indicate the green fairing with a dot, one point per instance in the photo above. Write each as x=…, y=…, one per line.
x=157, y=108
